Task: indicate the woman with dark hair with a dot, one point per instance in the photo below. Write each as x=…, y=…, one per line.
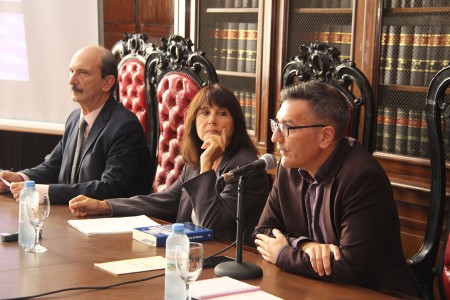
x=215, y=141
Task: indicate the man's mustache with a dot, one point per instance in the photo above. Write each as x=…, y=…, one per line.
x=75, y=89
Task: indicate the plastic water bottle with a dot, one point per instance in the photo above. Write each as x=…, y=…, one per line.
x=175, y=288
x=26, y=230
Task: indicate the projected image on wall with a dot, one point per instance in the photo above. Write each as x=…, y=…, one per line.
x=37, y=41
x=13, y=53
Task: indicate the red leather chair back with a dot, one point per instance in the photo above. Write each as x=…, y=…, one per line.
x=132, y=91
x=174, y=74
x=446, y=270
x=175, y=92
x=131, y=53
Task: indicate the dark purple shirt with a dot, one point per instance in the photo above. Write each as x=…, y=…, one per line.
x=313, y=203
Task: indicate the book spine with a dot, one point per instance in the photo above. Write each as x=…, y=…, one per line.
x=380, y=124
x=252, y=43
x=401, y=131
x=243, y=104
x=324, y=33
x=406, y=3
x=253, y=111
x=413, y=141
x=384, y=45
x=416, y=3
x=446, y=44
x=391, y=55
x=405, y=55
x=395, y=3
x=232, y=46
x=424, y=147
x=419, y=55
x=346, y=4
x=388, y=130
x=238, y=3
x=346, y=41
x=335, y=36
x=242, y=44
x=248, y=109
x=229, y=3
x=435, y=46
x=216, y=51
x=255, y=3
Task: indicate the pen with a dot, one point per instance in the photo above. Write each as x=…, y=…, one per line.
x=5, y=181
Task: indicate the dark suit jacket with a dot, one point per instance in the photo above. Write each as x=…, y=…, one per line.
x=197, y=191
x=361, y=218
x=115, y=161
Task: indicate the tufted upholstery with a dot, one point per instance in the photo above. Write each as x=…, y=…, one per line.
x=174, y=74
x=132, y=91
x=131, y=54
x=446, y=270
x=320, y=62
x=175, y=92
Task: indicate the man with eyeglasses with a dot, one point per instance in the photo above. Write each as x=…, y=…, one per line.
x=331, y=213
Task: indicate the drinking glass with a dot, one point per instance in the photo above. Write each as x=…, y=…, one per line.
x=189, y=264
x=37, y=211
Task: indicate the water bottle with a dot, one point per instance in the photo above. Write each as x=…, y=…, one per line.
x=26, y=230
x=175, y=289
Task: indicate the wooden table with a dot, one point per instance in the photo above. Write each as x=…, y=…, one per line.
x=69, y=262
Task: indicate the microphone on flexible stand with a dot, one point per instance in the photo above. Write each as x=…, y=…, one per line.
x=238, y=269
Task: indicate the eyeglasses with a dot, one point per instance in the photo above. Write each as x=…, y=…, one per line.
x=284, y=129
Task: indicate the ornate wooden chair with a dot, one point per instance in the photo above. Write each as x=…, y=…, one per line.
x=174, y=74
x=131, y=54
x=320, y=62
x=423, y=263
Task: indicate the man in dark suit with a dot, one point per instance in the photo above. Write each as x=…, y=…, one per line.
x=103, y=152
x=331, y=213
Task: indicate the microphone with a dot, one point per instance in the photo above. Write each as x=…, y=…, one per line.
x=265, y=162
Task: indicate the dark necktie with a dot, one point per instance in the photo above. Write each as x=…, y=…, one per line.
x=78, y=149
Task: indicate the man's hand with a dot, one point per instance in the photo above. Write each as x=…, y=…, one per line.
x=269, y=247
x=16, y=188
x=82, y=206
x=319, y=256
x=214, y=147
x=11, y=177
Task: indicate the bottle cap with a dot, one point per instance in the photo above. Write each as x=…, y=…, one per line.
x=178, y=227
x=29, y=183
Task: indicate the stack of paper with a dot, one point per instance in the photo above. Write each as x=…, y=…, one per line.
x=111, y=225
x=228, y=288
x=134, y=265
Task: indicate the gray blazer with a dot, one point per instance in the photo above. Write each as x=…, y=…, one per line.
x=115, y=161
x=194, y=191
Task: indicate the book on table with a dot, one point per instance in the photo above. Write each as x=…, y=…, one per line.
x=157, y=235
x=228, y=288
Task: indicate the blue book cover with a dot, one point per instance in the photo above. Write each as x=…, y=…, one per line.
x=157, y=235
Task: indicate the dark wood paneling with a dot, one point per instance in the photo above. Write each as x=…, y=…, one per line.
x=21, y=150
x=152, y=17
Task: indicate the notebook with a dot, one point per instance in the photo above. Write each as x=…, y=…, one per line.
x=228, y=288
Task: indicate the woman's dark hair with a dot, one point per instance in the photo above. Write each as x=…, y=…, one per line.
x=218, y=95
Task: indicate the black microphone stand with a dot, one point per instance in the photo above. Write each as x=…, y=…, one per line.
x=238, y=269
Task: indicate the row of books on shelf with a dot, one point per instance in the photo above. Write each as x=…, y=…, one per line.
x=247, y=100
x=235, y=46
x=336, y=35
x=412, y=55
x=236, y=3
x=415, y=3
x=327, y=3
x=404, y=132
